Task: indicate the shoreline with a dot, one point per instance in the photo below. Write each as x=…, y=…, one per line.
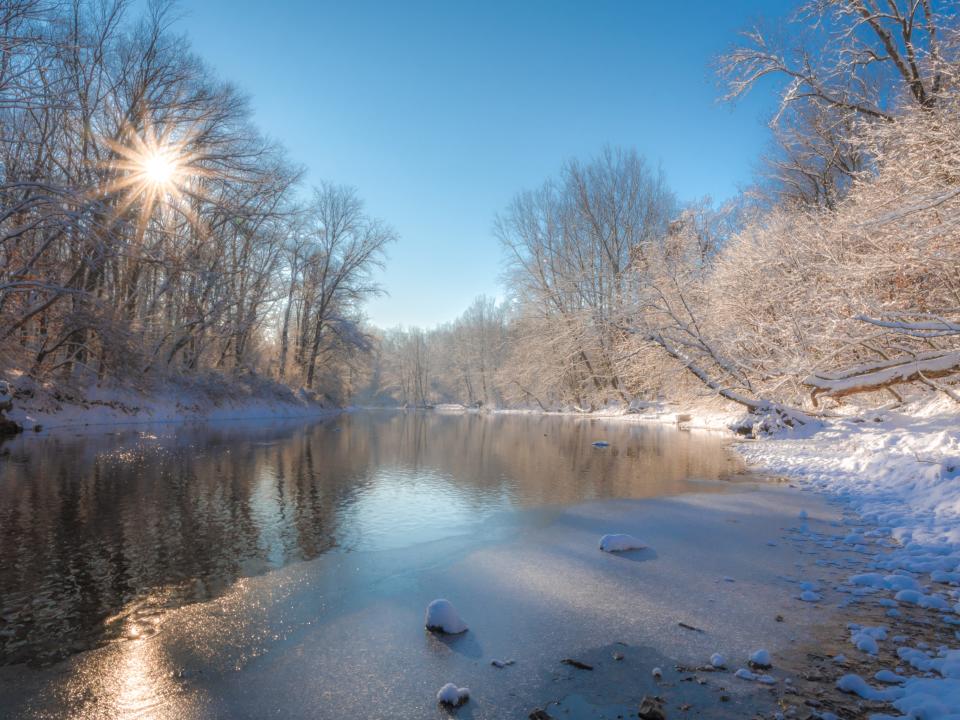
x=100, y=408
x=858, y=563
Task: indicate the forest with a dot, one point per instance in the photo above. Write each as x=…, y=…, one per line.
x=151, y=233
x=837, y=274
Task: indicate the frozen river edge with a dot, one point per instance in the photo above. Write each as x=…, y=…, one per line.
x=729, y=565
x=835, y=570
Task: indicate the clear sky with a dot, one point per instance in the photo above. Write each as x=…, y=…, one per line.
x=439, y=112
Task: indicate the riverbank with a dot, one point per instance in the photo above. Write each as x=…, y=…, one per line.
x=708, y=414
x=213, y=397
x=898, y=476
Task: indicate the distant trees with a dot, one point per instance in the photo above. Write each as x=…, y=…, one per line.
x=844, y=283
x=146, y=226
x=573, y=249
x=458, y=362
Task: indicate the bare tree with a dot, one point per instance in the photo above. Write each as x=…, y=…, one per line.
x=345, y=246
x=571, y=248
x=146, y=225
x=841, y=62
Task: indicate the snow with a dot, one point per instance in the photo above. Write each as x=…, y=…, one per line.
x=888, y=676
x=897, y=477
x=441, y=616
x=450, y=694
x=810, y=596
x=620, y=543
x=856, y=685
x=930, y=699
x=865, y=643
x=718, y=661
x=760, y=658
x=212, y=398
x=745, y=674
x=898, y=474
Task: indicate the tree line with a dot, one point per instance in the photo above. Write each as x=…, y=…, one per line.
x=148, y=229
x=837, y=274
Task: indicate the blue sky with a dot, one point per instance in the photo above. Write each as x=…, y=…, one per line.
x=439, y=112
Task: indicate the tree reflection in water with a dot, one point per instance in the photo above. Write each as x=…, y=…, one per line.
x=98, y=535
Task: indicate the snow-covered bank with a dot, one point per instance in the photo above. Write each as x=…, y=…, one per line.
x=704, y=415
x=899, y=478
x=216, y=398
x=899, y=472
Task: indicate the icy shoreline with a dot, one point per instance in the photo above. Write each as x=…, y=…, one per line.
x=898, y=477
x=539, y=594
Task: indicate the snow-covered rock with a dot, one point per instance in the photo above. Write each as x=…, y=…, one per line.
x=452, y=695
x=441, y=616
x=856, y=685
x=866, y=644
x=889, y=676
x=620, y=543
x=718, y=661
x=760, y=659
x=745, y=674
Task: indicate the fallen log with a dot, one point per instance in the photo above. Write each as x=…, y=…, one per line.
x=883, y=374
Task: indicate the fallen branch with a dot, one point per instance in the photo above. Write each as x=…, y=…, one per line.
x=869, y=377
x=790, y=415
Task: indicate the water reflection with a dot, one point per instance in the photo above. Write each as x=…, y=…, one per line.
x=99, y=535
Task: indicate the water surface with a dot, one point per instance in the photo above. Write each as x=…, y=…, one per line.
x=101, y=534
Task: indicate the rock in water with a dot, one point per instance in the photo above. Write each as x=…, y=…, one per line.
x=453, y=696
x=443, y=617
x=620, y=543
x=7, y=427
x=651, y=708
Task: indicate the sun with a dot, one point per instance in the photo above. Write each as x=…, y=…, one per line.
x=152, y=166
x=159, y=167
